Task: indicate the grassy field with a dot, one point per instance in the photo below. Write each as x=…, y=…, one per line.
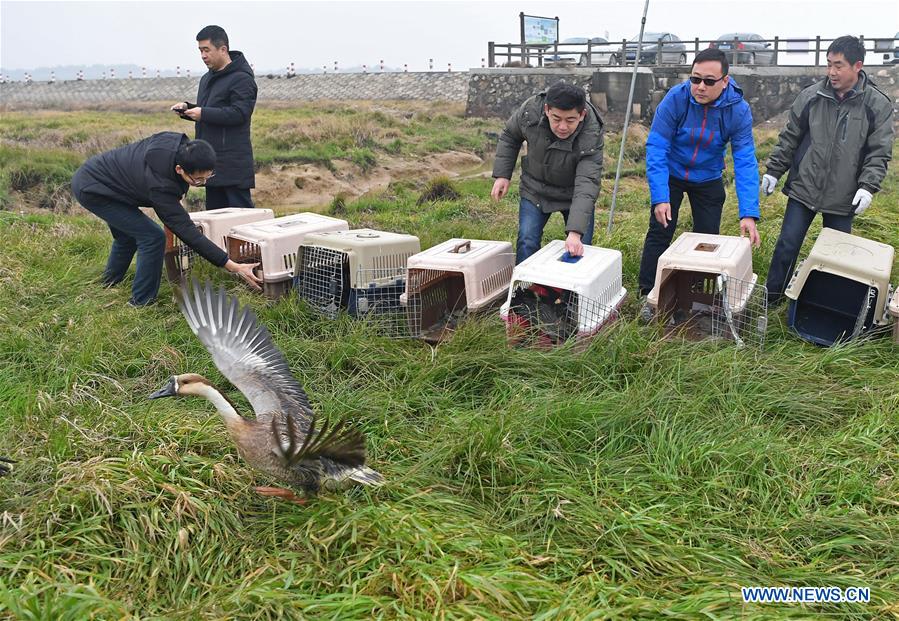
x=644, y=478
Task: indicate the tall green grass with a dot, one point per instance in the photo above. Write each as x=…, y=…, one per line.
x=642, y=478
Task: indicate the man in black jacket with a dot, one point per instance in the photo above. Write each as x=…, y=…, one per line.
x=561, y=171
x=154, y=172
x=225, y=101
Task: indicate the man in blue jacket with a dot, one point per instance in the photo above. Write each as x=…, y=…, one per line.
x=226, y=99
x=685, y=154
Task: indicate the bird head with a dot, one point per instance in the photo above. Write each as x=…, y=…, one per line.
x=182, y=385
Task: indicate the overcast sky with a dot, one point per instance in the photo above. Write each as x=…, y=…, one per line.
x=312, y=34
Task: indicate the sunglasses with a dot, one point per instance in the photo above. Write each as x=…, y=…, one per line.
x=199, y=182
x=707, y=81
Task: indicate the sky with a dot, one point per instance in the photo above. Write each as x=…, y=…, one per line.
x=315, y=34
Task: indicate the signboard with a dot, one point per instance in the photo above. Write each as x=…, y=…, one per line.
x=539, y=30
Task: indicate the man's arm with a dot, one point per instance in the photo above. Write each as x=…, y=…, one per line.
x=746, y=166
x=507, y=148
x=586, y=190
x=878, y=149
x=781, y=157
x=169, y=210
x=243, y=101
x=658, y=145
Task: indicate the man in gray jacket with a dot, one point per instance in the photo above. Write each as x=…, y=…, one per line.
x=561, y=170
x=836, y=145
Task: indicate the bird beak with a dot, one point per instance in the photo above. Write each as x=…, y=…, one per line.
x=169, y=390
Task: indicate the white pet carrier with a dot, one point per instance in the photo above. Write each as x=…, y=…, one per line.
x=273, y=244
x=554, y=297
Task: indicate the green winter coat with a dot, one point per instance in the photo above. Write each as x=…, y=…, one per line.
x=832, y=148
x=556, y=175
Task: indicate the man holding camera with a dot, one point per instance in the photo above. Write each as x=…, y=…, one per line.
x=225, y=102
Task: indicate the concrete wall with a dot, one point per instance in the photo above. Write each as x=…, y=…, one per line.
x=769, y=90
x=432, y=86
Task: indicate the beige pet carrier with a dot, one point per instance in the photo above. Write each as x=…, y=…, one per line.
x=841, y=290
x=893, y=310
x=214, y=225
x=452, y=279
x=705, y=288
x=273, y=244
x=362, y=271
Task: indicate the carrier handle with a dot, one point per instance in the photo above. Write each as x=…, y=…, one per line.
x=568, y=258
x=458, y=247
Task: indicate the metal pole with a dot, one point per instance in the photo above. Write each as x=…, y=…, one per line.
x=627, y=113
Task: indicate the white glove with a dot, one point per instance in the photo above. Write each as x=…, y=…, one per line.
x=863, y=200
x=768, y=185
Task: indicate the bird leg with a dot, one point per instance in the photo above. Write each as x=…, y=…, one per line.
x=280, y=492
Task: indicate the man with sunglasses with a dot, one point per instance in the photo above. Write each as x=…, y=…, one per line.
x=154, y=172
x=836, y=145
x=226, y=98
x=685, y=155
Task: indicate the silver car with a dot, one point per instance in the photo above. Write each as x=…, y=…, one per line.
x=673, y=50
x=581, y=51
x=745, y=48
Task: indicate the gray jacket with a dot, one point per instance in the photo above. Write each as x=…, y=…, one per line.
x=556, y=175
x=832, y=148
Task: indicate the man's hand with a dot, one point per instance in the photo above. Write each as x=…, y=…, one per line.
x=861, y=201
x=768, y=185
x=191, y=113
x=245, y=271
x=662, y=213
x=747, y=227
x=500, y=187
x=573, y=244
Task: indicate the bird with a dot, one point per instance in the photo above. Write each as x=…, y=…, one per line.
x=286, y=439
x=4, y=468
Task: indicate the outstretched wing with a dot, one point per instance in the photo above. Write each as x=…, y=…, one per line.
x=338, y=443
x=243, y=351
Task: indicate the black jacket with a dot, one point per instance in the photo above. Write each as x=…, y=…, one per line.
x=143, y=174
x=227, y=99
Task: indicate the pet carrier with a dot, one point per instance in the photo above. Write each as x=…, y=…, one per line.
x=362, y=271
x=214, y=225
x=554, y=297
x=705, y=288
x=893, y=310
x=273, y=244
x=841, y=290
x=452, y=279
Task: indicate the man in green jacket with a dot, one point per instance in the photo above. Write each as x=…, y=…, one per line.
x=561, y=170
x=836, y=145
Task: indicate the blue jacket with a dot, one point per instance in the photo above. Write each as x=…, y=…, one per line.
x=687, y=141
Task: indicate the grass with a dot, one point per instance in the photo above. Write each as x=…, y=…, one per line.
x=641, y=479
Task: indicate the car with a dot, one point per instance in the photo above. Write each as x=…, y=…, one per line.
x=745, y=48
x=581, y=51
x=889, y=48
x=673, y=50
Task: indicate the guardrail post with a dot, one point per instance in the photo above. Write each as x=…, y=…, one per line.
x=776, y=53
x=817, y=49
x=491, y=54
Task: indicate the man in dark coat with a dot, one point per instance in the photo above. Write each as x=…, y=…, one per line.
x=561, y=171
x=153, y=172
x=225, y=101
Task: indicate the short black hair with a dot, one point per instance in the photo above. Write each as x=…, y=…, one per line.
x=215, y=34
x=850, y=47
x=195, y=156
x=712, y=53
x=564, y=96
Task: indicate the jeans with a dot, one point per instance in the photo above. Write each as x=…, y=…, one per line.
x=706, y=203
x=132, y=232
x=797, y=219
x=228, y=196
x=531, y=222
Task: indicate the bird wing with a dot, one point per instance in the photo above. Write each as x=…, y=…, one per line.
x=337, y=443
x=243, y=351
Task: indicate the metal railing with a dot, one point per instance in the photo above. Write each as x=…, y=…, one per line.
x=621, y=53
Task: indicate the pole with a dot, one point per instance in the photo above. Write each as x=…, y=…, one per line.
x=627, y=113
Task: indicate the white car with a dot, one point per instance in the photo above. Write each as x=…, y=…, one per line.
x=582, y=52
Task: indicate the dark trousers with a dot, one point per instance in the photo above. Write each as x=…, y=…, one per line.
x=132, y=232
x=531, y=222
x=797, y=219
x=706, y=203
x=228, y=196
